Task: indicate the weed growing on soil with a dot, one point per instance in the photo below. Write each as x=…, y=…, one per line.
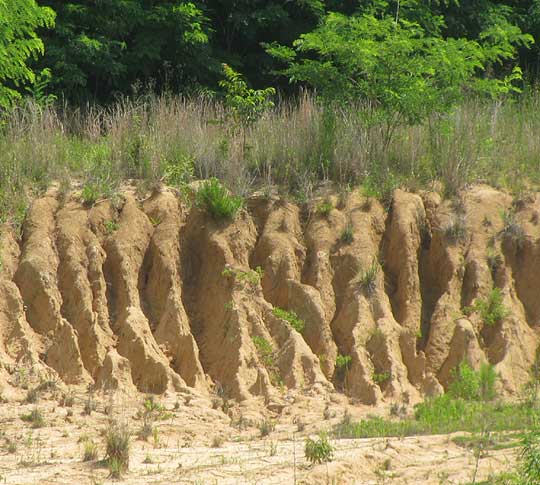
x=35, y=417
x=216, y=200
x=318, y=450
x=264, y=349
x=266, y=426
x=368, y=278
x=247, y=280
x=472, y=385
x=347, y=235
x=324, y=208
x=291, y=317
x=117, y=446
x=90, y=450
x=491, y=309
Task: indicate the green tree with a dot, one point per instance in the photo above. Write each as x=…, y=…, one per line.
x=397, y=68
x=19, y=42
x=99, y=49
x=245, y=105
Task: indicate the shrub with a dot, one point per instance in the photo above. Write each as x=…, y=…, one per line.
x=472, y=385
x=215, y=199
x=117, y=444
x=491, y=309
x=319, y=450
x=529, y=459
x=343, y=362
x=291, y=317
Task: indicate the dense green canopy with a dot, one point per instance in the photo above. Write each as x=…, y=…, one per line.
x=99, y=48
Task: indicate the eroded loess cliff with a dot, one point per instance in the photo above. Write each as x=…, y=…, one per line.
x=155, y=296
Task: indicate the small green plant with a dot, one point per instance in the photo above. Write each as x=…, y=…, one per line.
x=179, y=171
x=35, y=417
x=324, y=208
x=347, y=235
x=343, y=362
x=111, y=226
x=291, y=317
x=249, y=279
x=90, y=194
x=491, y=309
x=494, y=260
x=216, y=200
x=90, y=450
x=368, y=278
x=381, y=377
x=264, y=349
x=117, y=446
x=319, y=450
x=266, y=426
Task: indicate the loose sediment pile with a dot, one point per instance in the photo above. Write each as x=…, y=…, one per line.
x=155, y=296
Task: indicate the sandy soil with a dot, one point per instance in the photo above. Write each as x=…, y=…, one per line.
x=197, y=444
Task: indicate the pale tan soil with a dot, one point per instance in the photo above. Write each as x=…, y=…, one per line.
x=131, y=295
x=183, y=451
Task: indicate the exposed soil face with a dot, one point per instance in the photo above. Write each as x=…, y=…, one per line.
x=156, y=296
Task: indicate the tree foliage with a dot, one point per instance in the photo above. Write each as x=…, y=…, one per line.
x=100, y=49
x=19, y=42
x=396, y=66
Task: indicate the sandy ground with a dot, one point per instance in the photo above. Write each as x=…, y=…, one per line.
x=197, y=444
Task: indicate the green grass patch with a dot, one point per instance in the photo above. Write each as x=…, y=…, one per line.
x=442, y=415
x=291, y=317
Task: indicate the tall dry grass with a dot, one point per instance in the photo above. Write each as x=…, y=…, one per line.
x=295, y=146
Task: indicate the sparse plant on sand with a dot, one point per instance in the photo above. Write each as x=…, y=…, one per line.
x=319, y=450
x=117, y=449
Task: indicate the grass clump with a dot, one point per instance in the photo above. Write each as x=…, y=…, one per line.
x=117, y=448
x=291, y=317
x=216, y=200
x=35, y=417
x=491, y=309
x=347, y=235
x=318, y=450
x=368, y=278
x=90, y=450
x=266, y=426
